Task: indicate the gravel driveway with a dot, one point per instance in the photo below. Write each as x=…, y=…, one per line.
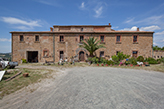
x=94, y=88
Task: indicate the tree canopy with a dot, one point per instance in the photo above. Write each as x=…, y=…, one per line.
x=91, y=45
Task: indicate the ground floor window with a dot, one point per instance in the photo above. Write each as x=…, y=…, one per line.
x=117, y=52
x=101, y=53
x=61, y=55
x=135, y=53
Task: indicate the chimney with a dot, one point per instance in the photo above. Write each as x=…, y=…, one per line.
x=138, y=29
x=109, y=24
x=51, y=29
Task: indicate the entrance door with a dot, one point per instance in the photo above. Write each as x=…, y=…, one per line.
x=81, y=56
x=32, y=56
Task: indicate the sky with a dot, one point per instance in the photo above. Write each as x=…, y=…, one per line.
x=40, y=15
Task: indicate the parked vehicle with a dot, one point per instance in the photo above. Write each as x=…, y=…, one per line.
x=4, y=62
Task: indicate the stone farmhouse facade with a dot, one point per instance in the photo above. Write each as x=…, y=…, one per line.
x=158, y=54
x=63, y=42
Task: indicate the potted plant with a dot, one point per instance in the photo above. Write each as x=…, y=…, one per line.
x=97, y=64
x=106, y=64
x=102, y=64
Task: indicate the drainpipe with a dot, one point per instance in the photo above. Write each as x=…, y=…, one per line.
x=53, y=47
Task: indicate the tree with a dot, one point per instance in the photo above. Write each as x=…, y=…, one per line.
x=91, y=45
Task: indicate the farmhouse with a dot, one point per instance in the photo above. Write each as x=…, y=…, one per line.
x=63, y=42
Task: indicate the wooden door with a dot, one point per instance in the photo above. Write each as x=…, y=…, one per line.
x=81, y=56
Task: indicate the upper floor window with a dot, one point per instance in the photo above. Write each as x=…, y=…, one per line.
x=81, y=38
x=36, y=38
x=61, y=38
x=81, y=29
x=102, y=38
x=21, y=38
x=118, y=38
x=101, y=53
x=135, y=38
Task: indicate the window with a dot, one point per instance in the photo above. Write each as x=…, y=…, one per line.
x=135, y=38
x=101, y=53
x=81, y=38
x=158, y=56
x=118, y=38
x=102, y=38
x=161, y=56
x=36, y=38
x=117, y=52
x=135, y=54
x=45, y=53
x=61, y=55
x=61, y=38
x=21, y=38
x=81, y=29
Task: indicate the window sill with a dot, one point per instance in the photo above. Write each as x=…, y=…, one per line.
x=102, y=42
x=61, y=42
x=21, y=41
x=135, y=42
x=37, y=41
x=118, y=42
x=45, y=56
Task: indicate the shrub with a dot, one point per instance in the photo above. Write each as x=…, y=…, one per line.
x=122, y=56
x=110, y=62
x=133, y=61
x=115, y=58
x=127, y=62
x=162, y=60
x=104, y=61
x=151, y=60
x=89, y=59
x=94, y=60
x=140, y=58
x=24, y=61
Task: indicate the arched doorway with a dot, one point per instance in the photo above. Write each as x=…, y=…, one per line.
x=81, y=56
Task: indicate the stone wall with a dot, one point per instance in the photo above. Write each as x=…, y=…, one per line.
x=70, y=45
x=158, y=54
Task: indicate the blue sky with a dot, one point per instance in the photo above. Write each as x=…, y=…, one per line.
x=40, y=15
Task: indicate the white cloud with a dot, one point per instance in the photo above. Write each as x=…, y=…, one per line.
x=160, y=33
x=82, y=5
x=149, y=20
x=5, y=40
x=49, y=2
x=18, y=23
x=129, y=20
x=154, y=43
x=150, y=28
x=134, y=28
x=98, y=12
x=94, y=8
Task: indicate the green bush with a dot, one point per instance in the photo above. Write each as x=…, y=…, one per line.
x=127, y=62
x=133, y=61
x=151, y=60
x=122, y=56
x=115, y=58
x=140, y=58
x=110, y=62
x=94, y=60
x=24, y=61
x=104, y=61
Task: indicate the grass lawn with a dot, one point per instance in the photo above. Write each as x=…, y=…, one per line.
x=7, y=87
